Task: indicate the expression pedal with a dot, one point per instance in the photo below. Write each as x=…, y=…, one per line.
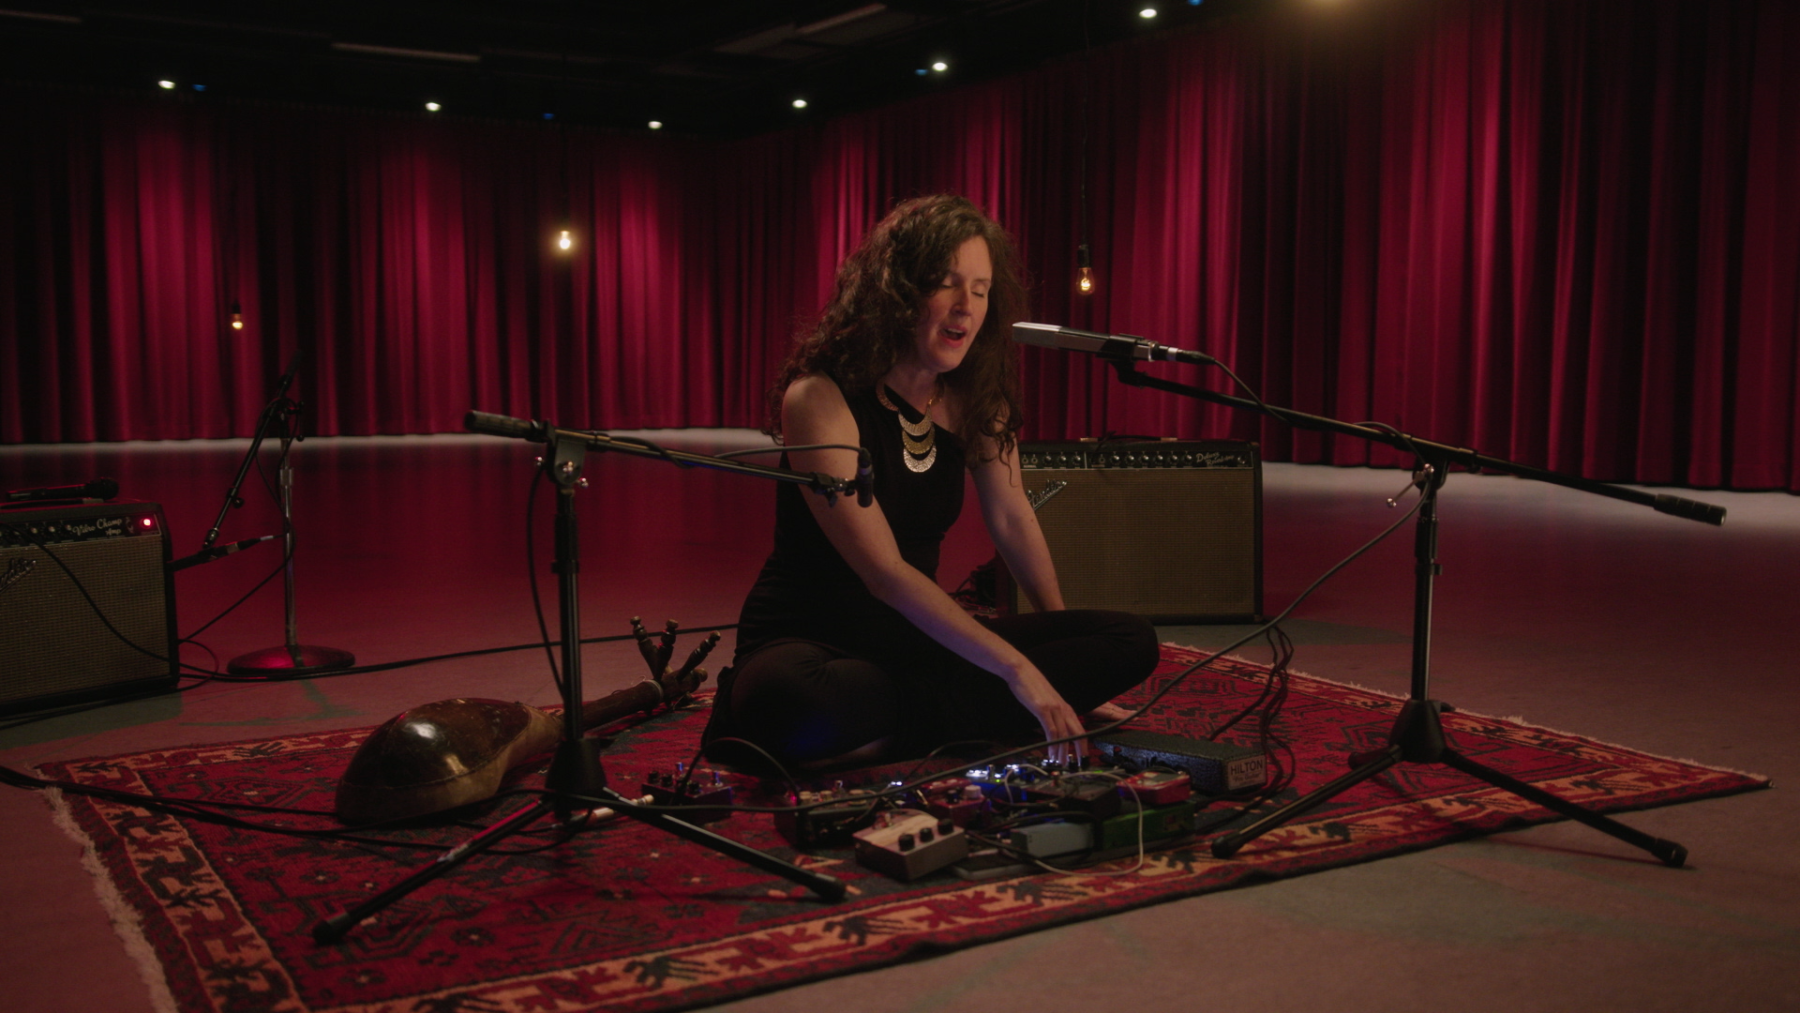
x=906, y=844
x=1214, y=767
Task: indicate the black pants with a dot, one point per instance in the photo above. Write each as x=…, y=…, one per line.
x=805, y=701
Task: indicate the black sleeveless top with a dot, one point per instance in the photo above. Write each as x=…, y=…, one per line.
x=806, y=590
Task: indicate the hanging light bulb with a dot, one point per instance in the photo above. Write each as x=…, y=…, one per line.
x=565, y=240
x=1084, y=277
x=237, y=316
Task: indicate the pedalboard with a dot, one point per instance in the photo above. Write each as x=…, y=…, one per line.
x=1213, y=767
x=907, y=844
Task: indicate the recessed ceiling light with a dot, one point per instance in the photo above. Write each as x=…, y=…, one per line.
x=940, y=66
x=165, y=84
x=432, y=107
x=656, y=124
x=799, y=103
x=1147, y=13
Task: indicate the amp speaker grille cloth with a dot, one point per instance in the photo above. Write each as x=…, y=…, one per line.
x=1171, y=542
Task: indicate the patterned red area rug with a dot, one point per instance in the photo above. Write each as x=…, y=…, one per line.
x=626, y=917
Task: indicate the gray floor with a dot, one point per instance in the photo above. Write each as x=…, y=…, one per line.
x=1570, y=610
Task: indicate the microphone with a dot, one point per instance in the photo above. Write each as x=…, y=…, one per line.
x=287, y=378
x=1107, y=346
x=99, y=488
x=216, y=552
x=506, y=425
x=865, y=479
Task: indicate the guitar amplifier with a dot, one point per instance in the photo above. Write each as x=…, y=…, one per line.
x=1171, y=530
x=56, y=648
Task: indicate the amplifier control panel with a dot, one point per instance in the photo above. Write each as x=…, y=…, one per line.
x=1234, y=454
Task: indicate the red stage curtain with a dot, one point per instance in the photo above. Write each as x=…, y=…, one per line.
x=1561, y=233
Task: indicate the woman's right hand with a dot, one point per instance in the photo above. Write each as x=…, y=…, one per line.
x=1054, y=715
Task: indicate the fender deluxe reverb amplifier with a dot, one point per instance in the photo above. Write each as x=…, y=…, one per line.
x=1171, y=530
x=55, y=647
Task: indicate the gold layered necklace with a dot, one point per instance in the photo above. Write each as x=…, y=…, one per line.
x=919, y=439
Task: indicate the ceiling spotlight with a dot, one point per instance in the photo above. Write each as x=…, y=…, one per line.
x=799, y=103
x=1147, y=13
x=432, y=107
x=166, y=85
x=940, y=66
x=656, y=124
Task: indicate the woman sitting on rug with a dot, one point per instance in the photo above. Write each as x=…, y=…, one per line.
x=848, y=650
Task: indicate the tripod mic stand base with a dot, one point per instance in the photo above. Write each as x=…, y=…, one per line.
x=299, y=659
x=1418, y=737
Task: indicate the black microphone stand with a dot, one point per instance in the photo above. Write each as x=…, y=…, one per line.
x=292, y=657
x=1418, y=734
x=577, y=779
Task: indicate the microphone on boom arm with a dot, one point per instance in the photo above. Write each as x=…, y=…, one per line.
x=1107, y=346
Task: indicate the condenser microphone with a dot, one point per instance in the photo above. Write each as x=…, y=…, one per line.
x=1107, y=346
x=99, y=488
x=865, y=479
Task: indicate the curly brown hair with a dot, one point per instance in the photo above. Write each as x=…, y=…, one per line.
x=867, y=327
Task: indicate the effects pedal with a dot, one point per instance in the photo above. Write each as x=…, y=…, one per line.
x=699, y=799
x=1160, y=823
x=824, y=819
x=1051, y=838
x=1157, y=787
x=956, y=799
x=906, y=844
x=1097, y=797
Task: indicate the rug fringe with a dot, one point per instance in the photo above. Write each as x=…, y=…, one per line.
x=125, y=920
x=1519, y=719
x=1512, y=719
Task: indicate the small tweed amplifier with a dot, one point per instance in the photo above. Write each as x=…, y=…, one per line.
x=1171, y=530
x=55, y=648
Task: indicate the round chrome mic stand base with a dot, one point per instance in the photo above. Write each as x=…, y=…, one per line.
x=300, y=659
